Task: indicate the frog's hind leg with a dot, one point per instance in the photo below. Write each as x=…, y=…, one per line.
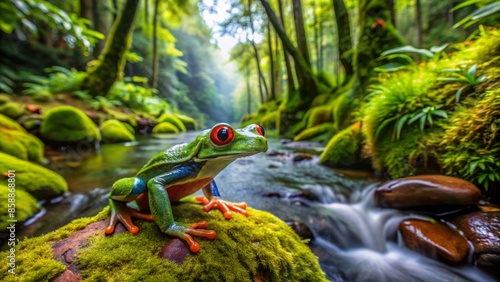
x=212, y=200
x=123, y=191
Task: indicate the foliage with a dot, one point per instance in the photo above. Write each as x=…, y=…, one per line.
x=464, y=76
x=344, y=149
x=489, y=9
x=39, y=17
x=102, y=103
x=59, y=80
x=403, y=61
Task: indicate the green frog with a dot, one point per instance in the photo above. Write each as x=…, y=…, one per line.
x=178, y=172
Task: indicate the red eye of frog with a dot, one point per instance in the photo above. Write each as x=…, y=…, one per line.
x=260, y=129
x=221, y=135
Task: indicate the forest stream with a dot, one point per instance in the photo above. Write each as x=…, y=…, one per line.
x=354, y=240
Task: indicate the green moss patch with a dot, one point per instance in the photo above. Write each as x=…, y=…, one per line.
x=244, y=246
x=68, y=124
x=8, y=123
x=12, y=109
x=25, y=206
x=321, y=133
x=188, y=122
x=114, y=131
x=21, y=145
x=40, y=182
x=344, y=149
x=172, y=119
x=165, y=127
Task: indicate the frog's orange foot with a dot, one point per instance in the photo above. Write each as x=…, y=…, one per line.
x=224, y=206
x=185, y=232
x=122, y=213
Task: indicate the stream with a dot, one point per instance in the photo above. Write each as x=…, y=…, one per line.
x=354, y=240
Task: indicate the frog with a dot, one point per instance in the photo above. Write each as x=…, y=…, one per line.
x=180, y=171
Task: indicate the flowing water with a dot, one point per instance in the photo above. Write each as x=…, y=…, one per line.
x=354, y=240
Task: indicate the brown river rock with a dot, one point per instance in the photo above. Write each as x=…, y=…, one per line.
x=483, y=230
x=435, y=240
x=427, y=190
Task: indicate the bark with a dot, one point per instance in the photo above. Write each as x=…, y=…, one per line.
x=418, y=27
x=320, y=43
x=277, y=66
x=344, y=36
x=300, y=31
x=392, y=9
x=262, y=80
x=154, y=75
x=86, y=11
x=272, y=77
x=249, y=94
x=316, y=35
x=146, y=12
x=111, y=63
x=115, y=8
x=103, y=20
x=289, y=71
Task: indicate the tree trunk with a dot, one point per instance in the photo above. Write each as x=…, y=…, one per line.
x=344, y=37
x=392, y=9
x=316, y=34
x=86, y=11
x=146, y=12
x=300, y=31
x=249, y=93
x=154, y=75
x=289, y=71
x=418, y=27
x=257, y=57
x=277, y=66
x=115, y=8
x=272, y=77
x=111, y=63
x=102, y=21
x=320, y=43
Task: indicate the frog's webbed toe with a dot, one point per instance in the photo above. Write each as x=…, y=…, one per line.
x=184, y=232
x=120, y=212
x=224, y=206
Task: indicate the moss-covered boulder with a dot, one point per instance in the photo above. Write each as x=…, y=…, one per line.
x=40, y=182
x=8, y=123
x=165, y=127
x=21, y=145
x=259, y=247
x=188, y=122
x=12, y=109
x=344, y=149
x=318, y=115
x=270, y=120
x=67, y=124
x=321, y=133
x=114, y=131
x=26, y=206
x=172, y=119
x=4, y=98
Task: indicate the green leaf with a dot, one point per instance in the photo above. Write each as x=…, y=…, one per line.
x=409, y=49
x=459, y=93
x=491, y=176
x=400, y=56
x=382, y=126
x=472, y=71
x=454, y=79
x=399, y=125
x=472, y=167
x=481, y=177
x=485, y=11
x=481, y=78
x=429, y=118
x=482, y=166
x=416, y=117
x=390, y=67
x=422, y=123
x=440, y=113
x=438, y=49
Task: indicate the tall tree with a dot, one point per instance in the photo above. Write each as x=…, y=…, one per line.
x=154, y=75
x=103, y=19
x=272, y=73
x=288, y=65
x=262, y=80
x=344, y=37
x=418, y=26
x=111, y=62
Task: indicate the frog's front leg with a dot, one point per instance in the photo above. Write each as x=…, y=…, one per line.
x=212, y=200
x=122, y=192
x=159, y=204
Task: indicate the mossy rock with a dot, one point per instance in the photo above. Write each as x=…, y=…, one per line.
x=165, y=127
x=12, y=109
x=4, y=98
x=344, y=149
x=269, y=120
x=68, y=124
x=321, y=133
x=319, y=115
x=8, y=123
x=172, y=119
x=21, y=145
x=259, y=246
x=188, y=122
x=39, y=181
x=114, y=131
x=26, y=206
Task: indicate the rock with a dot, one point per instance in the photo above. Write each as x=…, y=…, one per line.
x=26, y=206
x=114, y=131
x=172, y=119
x=259, y=246
x=67, y=124
x=301, y=229
x=8, y=123
x=165, y=127
x=22, y=145
x=344, y=149
x=188, y=122
x=4, y=98
x=67, y=276
x=298, y=157
x=176, y=250
x=483, y=230
x=40, y=182
x=12, y=109
x=435, y=240
x=144, y=125
x=321, y=133
x=427, y=190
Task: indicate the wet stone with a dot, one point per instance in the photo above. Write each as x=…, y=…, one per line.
x=175, y=250
x=427, y=190
x=301, y=229
x=435, y=240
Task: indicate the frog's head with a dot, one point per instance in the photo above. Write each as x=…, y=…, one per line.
x=224, y=141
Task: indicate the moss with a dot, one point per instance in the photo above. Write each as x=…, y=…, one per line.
x=344, y=149
x=21, y=145
x=244, y=245
x=172, y=119
x=320, y=133
x=269, y=121
x=165, y=127
x=26, y=206
x=127, y=118
x=12, y=109
x=8, y=123
x=4, y=98
x=318, y=115
x=40, y=182
x=68, y=124
x=188, y=122
x=114, y=131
